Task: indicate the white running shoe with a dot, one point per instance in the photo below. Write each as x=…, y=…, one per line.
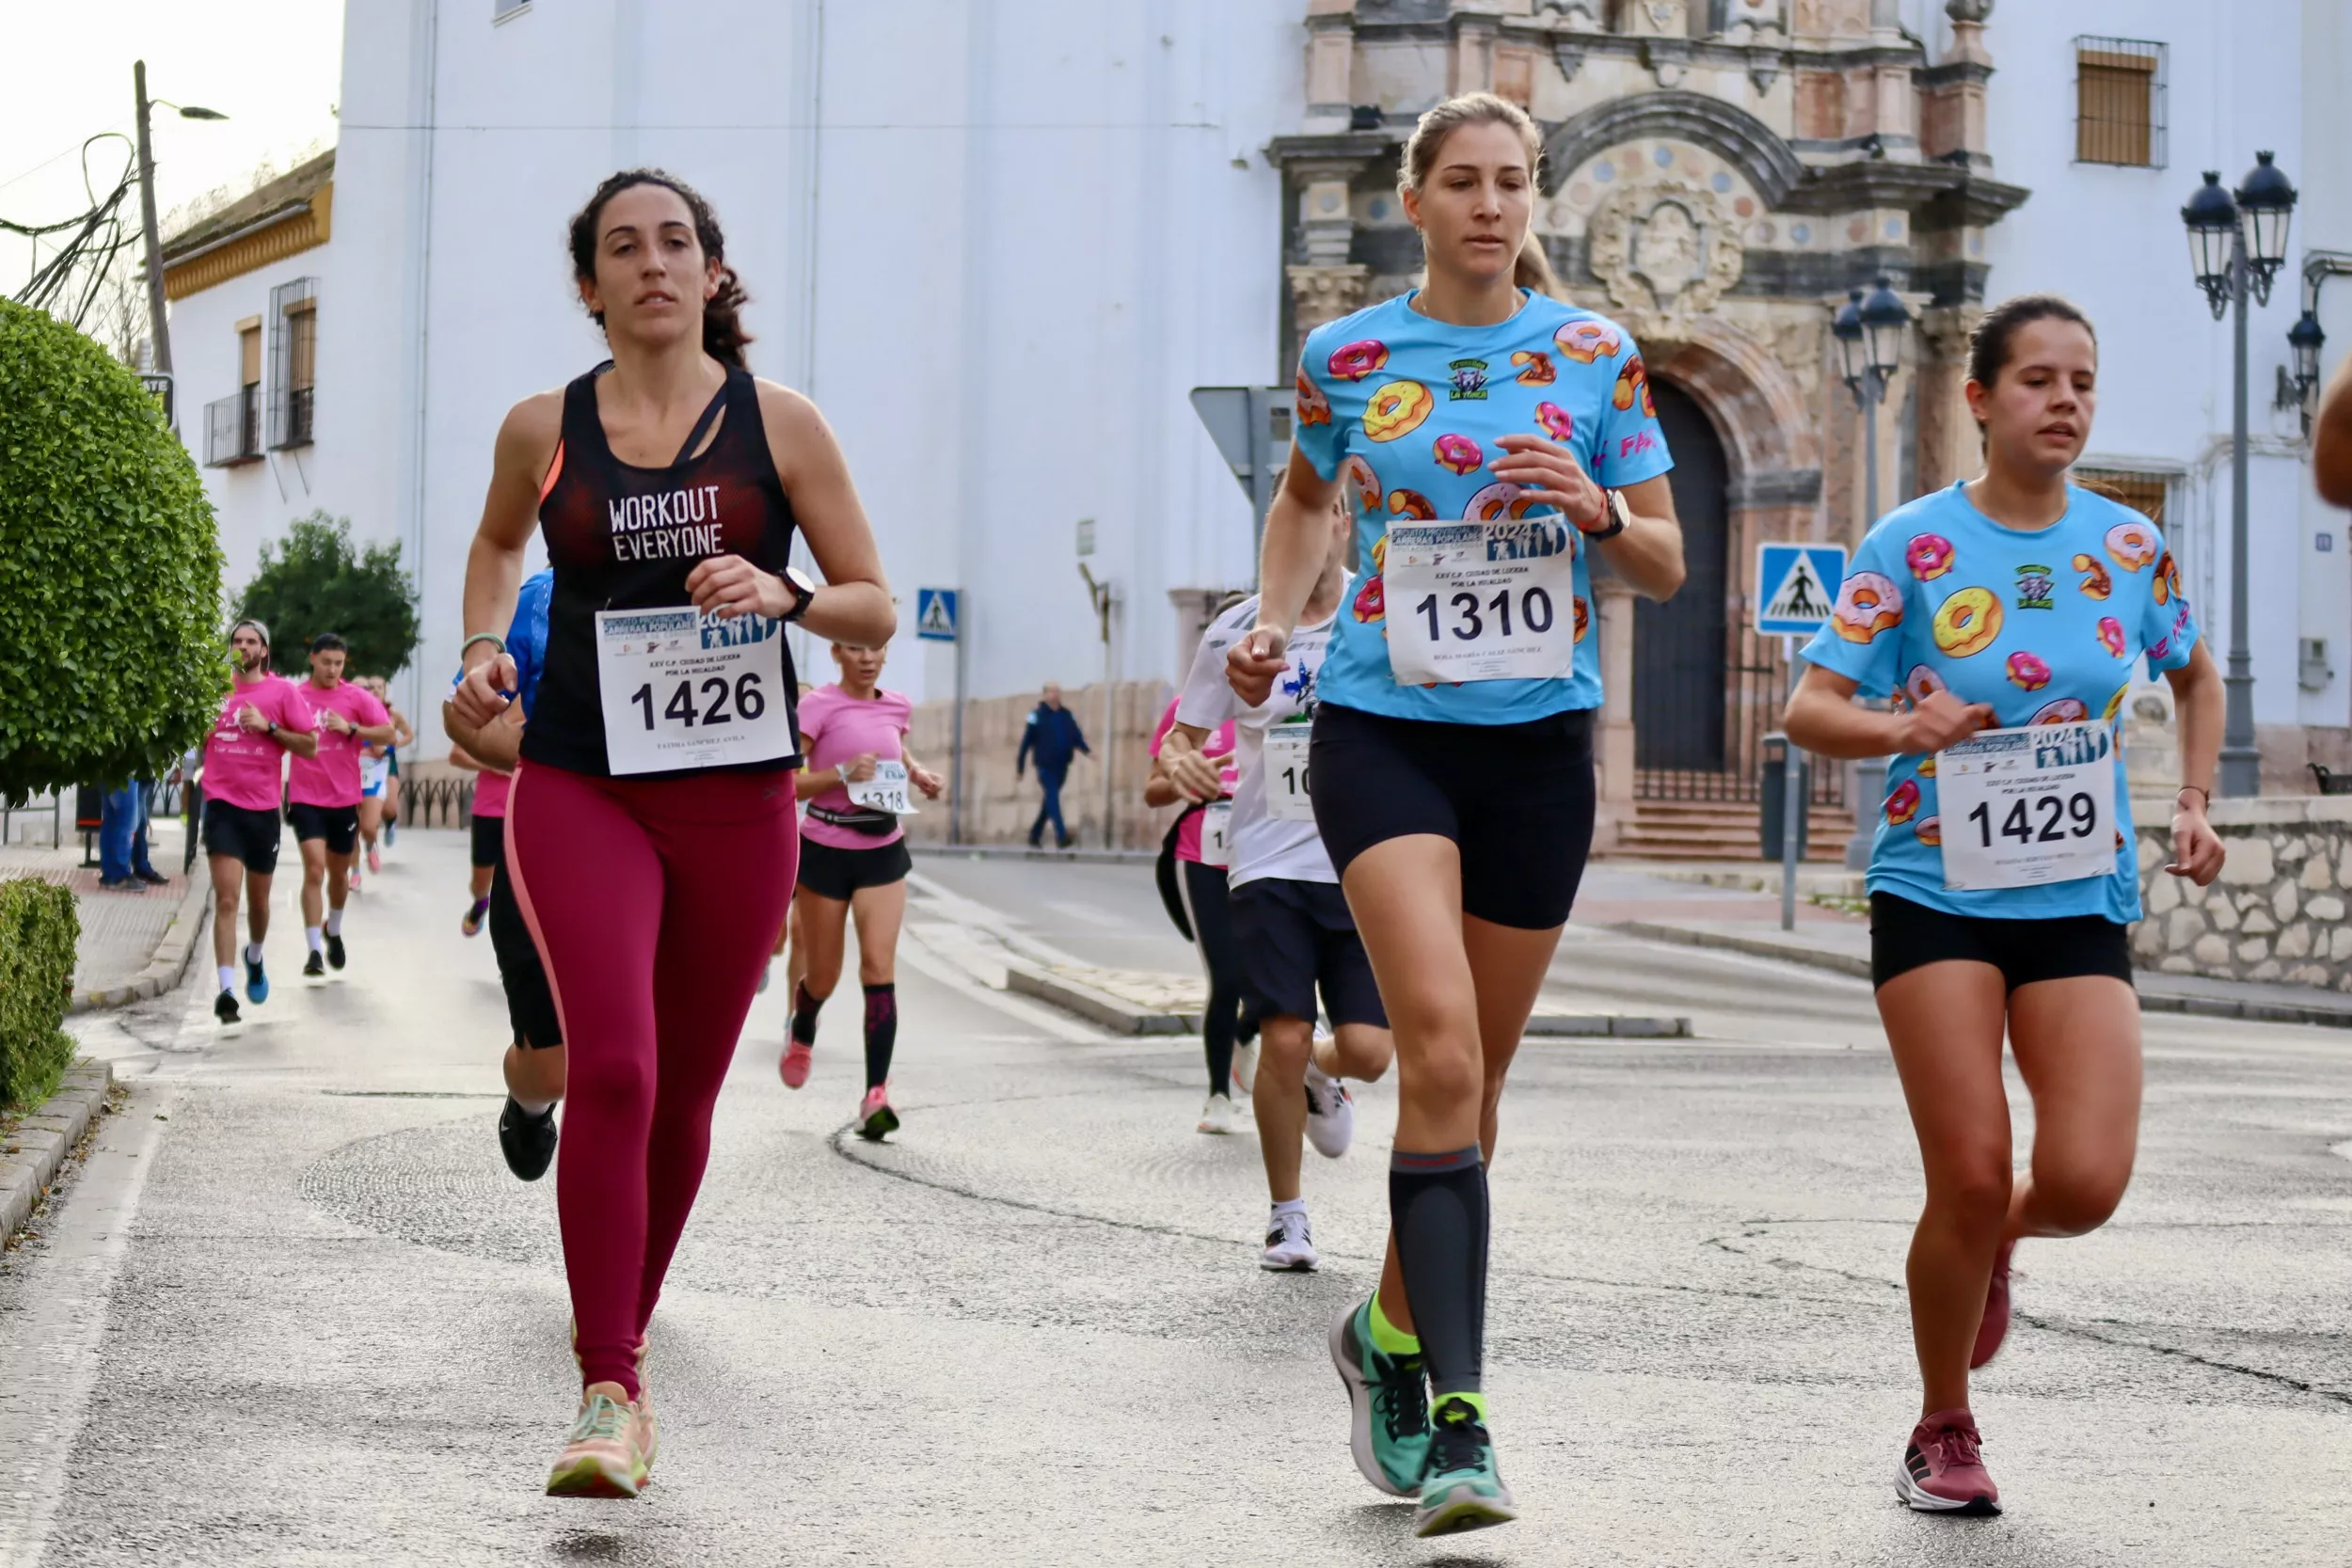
x=1217, y=1114
x=1290, y=1244
x=1330, y=1114
x=1244, y=1070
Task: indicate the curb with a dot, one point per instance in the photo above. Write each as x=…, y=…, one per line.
x=164, y=970
x=39, y=1144
x=1623, y=1026
x=1761, y=947
x=1023, y=852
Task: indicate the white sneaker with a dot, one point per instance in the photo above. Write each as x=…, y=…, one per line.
x=1330, y=1114
x=1244, y=1070
x=1289, y=1247
x=1217, y=1114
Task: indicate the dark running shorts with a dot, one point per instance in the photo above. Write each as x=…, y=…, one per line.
x=1517, y=799
x=1905, y=936
x=242, y=834
x=1297, y=938
x=489, y=841
x=530, y=1000
x=338, y=825
x=831, y=872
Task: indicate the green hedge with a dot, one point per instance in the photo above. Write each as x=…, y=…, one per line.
x=39, y=930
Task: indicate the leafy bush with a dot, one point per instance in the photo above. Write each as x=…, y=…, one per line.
x=313, y=580
x=111, y=655
x=40, y=928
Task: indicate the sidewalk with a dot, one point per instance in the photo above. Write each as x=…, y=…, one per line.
x=1645, y=903
x=129, y=940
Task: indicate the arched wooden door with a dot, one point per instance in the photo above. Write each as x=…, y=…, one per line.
x=1678, y=647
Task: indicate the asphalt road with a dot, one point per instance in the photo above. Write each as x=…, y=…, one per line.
x=293, y=1309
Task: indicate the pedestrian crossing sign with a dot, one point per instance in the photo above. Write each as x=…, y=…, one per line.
x=1795, y=587
x=935, y=615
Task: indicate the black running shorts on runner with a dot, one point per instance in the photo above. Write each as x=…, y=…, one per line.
x=338, y=825
x=242, y=834
x=489, y=841
x=1906, y=934
x=1517, y=799
x=1297, y=938
x=832, y=872
x=530, y=1000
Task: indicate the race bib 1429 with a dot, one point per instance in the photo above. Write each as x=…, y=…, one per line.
x=2022, y=808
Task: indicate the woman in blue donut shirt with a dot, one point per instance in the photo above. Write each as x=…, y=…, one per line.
x=2006, y=614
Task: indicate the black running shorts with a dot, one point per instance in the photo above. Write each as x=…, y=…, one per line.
x=1517, y=799
x=1297, y=938
x=530, y=1000
x=489, y=841
x=1906, y=934
x=338, y=825
x=832, y=872
x=242, y=834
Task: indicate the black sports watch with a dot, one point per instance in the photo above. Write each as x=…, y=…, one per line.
x=803, y=589
x=1621, y=520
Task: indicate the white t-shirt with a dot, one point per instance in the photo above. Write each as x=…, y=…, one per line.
x=1264, y=846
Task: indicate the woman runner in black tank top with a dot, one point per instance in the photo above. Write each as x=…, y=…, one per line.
x=650, y=832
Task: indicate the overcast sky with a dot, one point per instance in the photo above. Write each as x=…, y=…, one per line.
x=274, y=67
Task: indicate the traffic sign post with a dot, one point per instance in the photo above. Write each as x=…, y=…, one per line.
x=1252, y=427
x=938, y=619
x=935, y=615
x=1796, y=587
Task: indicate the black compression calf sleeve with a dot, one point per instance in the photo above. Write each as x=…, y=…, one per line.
x=805, y=1008
x=882, y=1031
x=1437, y=1204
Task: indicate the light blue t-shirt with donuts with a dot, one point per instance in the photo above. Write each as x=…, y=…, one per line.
x=2044, y=625
x=1409, y=411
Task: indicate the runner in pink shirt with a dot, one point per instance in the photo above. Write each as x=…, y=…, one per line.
x=261, y=719
x=854, y=862
x=1202, y=782
x=324, y=790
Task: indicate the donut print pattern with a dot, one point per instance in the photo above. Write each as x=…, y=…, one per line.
x=1903, y=804
x=1867, y=604
x=1496, y=502
x=1411, y=504
x=2131, y=546
x=1313, y=408
x=2028, y=672
x=1586, y=340
x=1930, y=831
x=1922, y=683
x=2096, y=585
x=1967, y=623
x=1366, y=482
x=1930, y=556
x=2111, y=636
x=1557, y=421
x=1583, y=617
x=1356, y=360
x=2064, y=710
x=1632, y=384
x=1369, y=603
x=2168, y=584
x=1395, y=410
x=1534, y=366
x=1457, y=453
x=2115, y=704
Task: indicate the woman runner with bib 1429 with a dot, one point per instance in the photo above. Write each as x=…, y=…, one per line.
x=650, y=831
x=1491, y=439
x=2005, y=613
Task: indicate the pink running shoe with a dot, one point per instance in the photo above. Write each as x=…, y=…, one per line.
x=1943, y=1468
x=375, y=860
x=875, y=1118
x=794, y=1067
x=1994, y=1328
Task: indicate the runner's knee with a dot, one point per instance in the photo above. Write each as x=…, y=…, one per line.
x=2081, y=1197
x=1972, y=1193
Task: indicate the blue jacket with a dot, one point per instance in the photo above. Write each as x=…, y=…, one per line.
x=1052, y=737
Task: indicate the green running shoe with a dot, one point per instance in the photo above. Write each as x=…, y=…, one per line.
x=604, y=1456
x=1462, y=1490
x=1387, y=1406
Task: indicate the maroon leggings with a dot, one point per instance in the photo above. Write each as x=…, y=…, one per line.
x=654, y=903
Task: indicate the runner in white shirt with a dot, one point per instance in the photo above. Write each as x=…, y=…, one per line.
x=1290, y=919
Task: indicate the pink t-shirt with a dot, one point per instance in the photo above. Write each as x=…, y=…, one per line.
x=1219, y=744
x=489, y=794
x=839, y=728
x=240, y=766
x=332, y=777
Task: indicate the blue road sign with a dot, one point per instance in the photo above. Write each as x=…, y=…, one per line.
x=1795, y=587
x=935, y=615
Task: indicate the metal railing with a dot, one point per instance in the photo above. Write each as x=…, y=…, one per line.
x=1715, y=752
x=435, y=803
x=2119, y=102
x=298, y=408
x=233, y=429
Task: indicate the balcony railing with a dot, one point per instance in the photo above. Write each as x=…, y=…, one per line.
x=298, y=408
x=233, y=429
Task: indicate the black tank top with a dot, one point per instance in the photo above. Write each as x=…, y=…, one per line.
x=622, y=537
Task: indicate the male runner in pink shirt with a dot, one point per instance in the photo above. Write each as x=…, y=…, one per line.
x=262, y=719
x=325, y=791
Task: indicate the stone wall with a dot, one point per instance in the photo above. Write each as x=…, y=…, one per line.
x=2276, y=913
x=997, y=809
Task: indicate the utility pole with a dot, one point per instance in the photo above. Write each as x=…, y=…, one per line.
x=159, y=334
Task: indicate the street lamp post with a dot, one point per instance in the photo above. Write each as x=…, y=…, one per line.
x=2238, y=242
x=1869, y=331
x=158, y=333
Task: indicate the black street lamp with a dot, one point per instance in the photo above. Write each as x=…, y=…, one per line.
x=2238, y=242
x=1869, y=332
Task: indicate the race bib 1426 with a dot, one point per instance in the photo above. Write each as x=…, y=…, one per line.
x=685, y=689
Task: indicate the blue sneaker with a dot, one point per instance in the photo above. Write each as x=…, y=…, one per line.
x=1387, y=1406
x=1462, y=1490
x=256, y=983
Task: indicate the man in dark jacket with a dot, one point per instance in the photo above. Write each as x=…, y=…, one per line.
x=1052, y=737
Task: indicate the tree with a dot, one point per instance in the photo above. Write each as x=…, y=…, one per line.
x=111, y=656
x=313, y=580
